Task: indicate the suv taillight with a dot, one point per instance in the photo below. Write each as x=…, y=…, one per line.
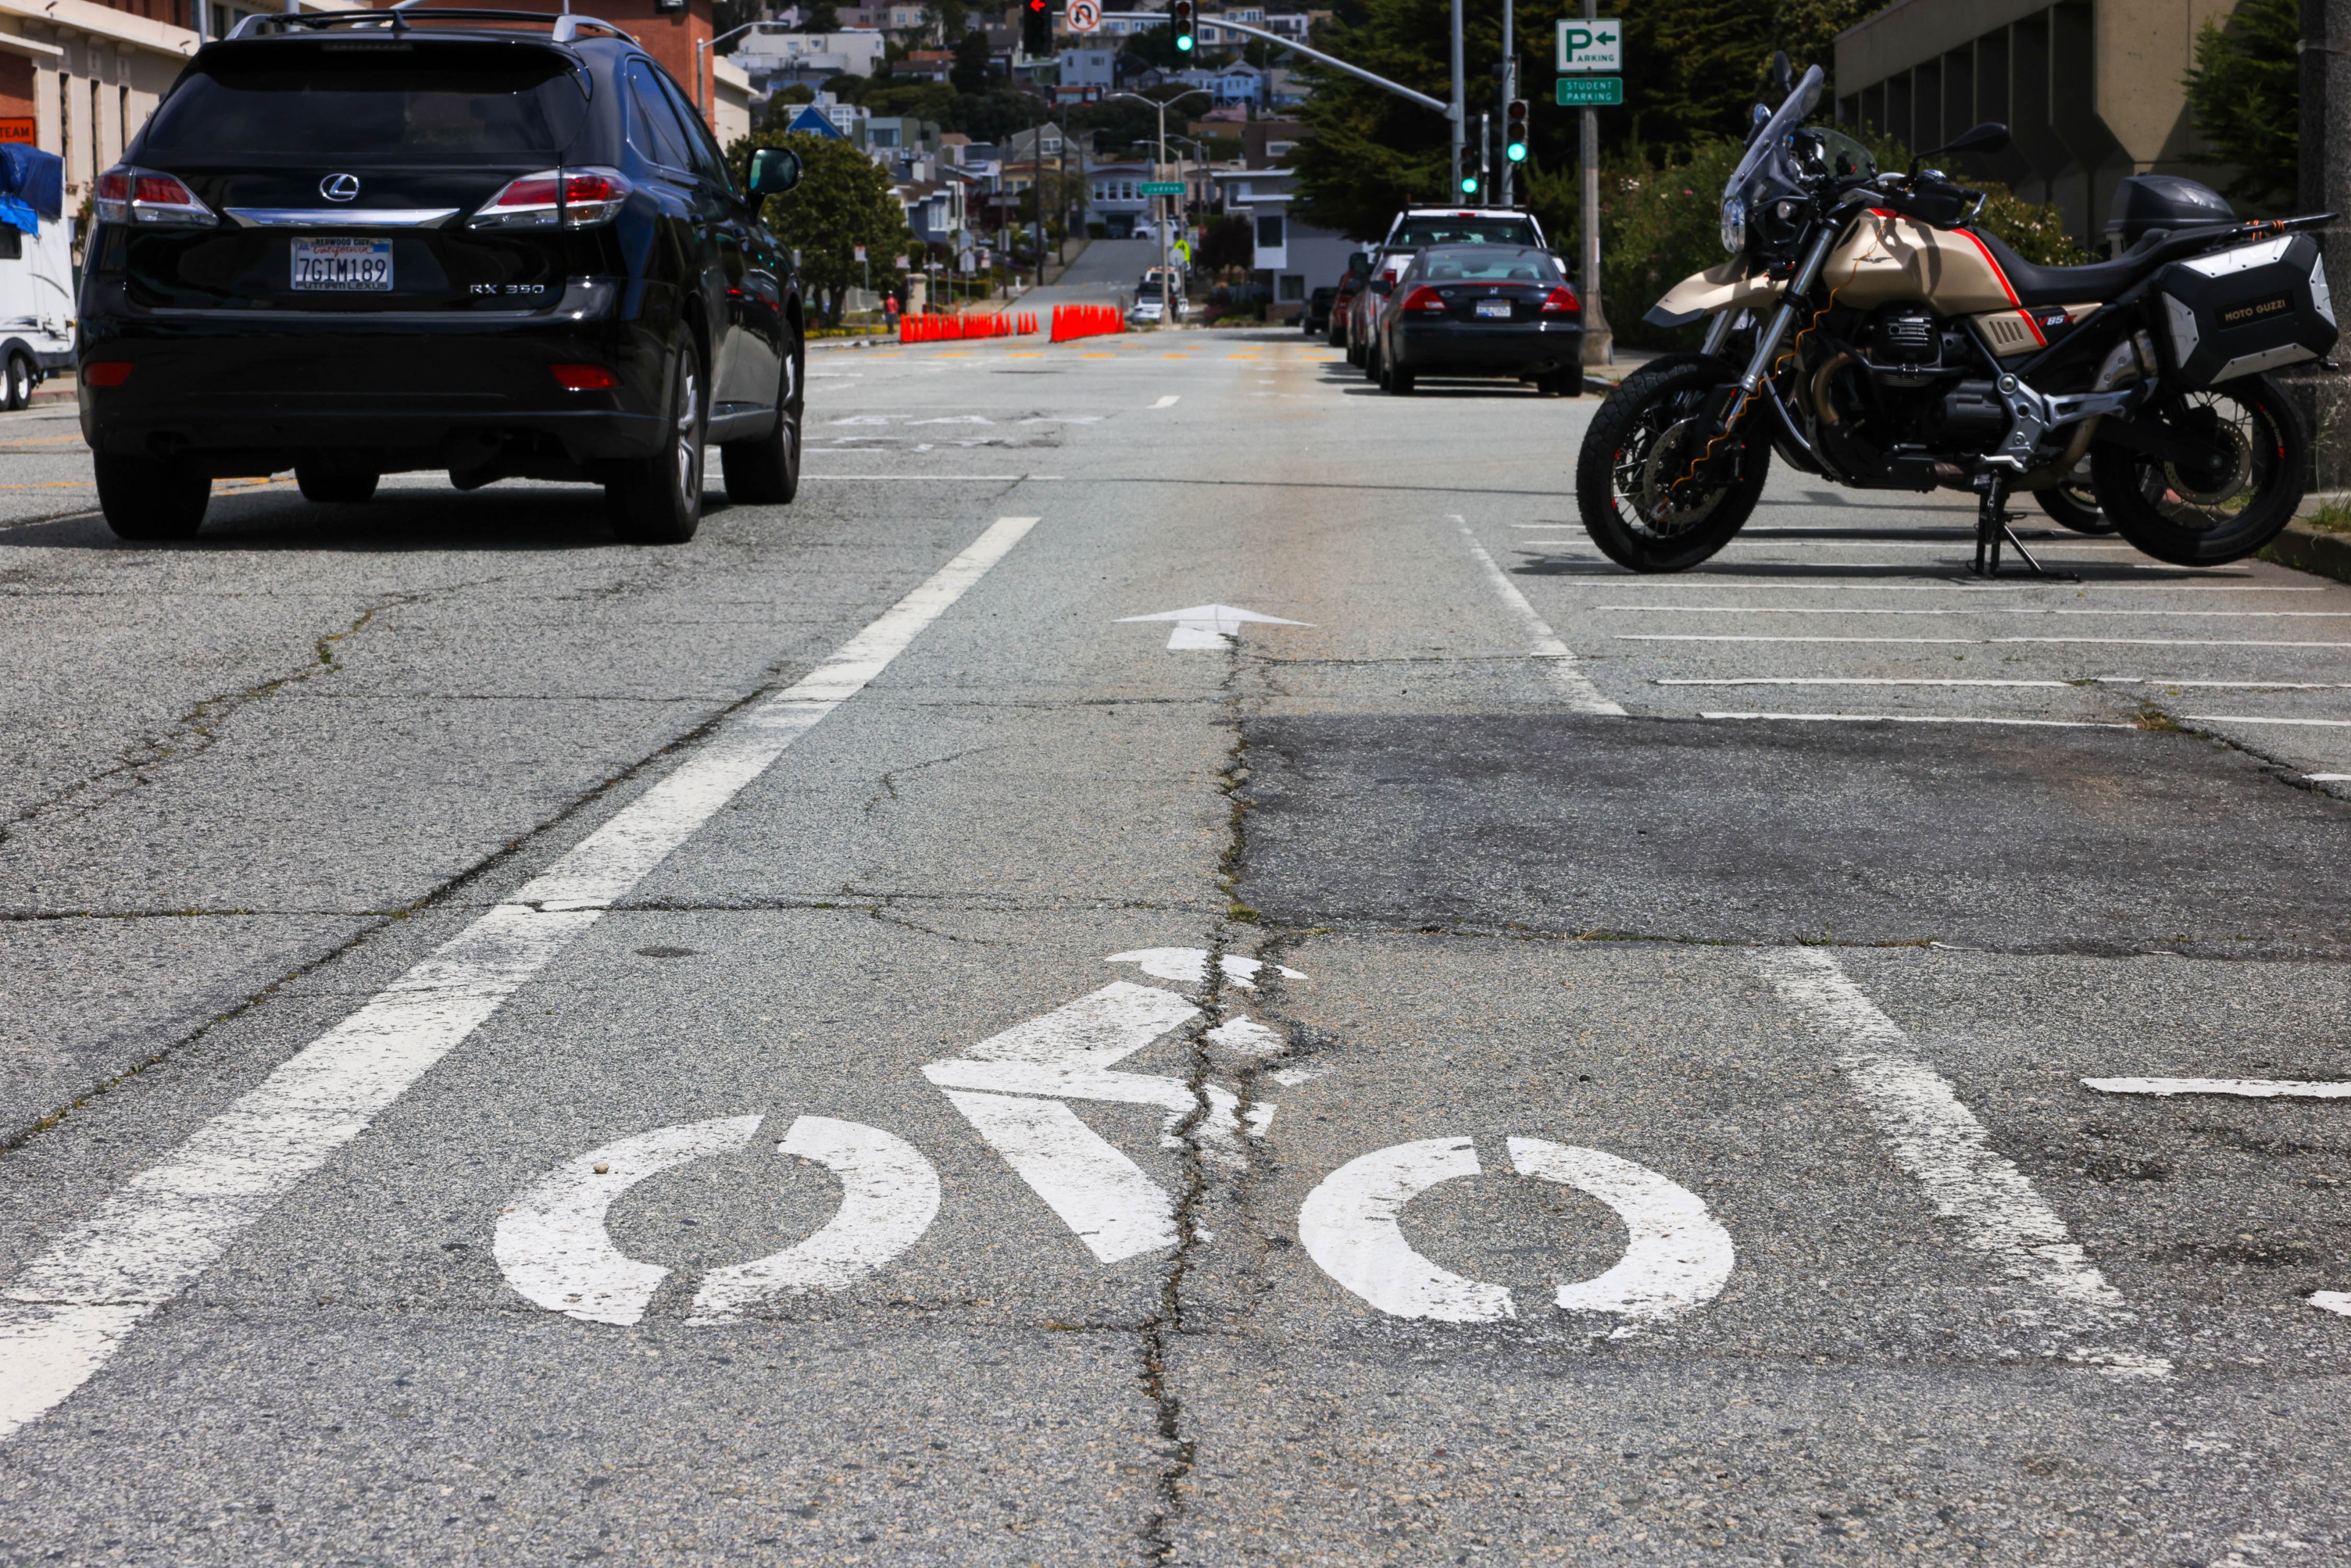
x=574, y=198
x=1560, y=302
x=129, y=195
x=1424, y=299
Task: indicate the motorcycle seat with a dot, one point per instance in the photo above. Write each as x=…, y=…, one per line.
x=2097, y=282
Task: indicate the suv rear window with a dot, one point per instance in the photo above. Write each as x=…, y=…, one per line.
x=1414, y=233
x=276, y=102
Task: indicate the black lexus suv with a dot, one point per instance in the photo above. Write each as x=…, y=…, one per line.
x=498, y=243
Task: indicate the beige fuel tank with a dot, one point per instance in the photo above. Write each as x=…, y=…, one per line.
x=1891, y=259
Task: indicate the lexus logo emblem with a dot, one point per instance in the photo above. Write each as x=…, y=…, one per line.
x=339, y=187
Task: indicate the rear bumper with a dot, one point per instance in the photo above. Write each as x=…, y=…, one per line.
x=242, y=392
x=1491, y=349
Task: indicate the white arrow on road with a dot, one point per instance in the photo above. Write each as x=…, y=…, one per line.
x=1210, y=626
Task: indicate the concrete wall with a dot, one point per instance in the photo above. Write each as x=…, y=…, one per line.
x=2091, y=89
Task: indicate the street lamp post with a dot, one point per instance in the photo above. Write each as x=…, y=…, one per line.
x=1166, y=262
x=702, y=86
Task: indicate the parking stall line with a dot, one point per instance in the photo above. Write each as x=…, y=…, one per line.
x=72, y=1307
x=2242, y=1088
x=1936, y=1140
x=1583, y=696
x=1840, y=681
x=1988, y=610
x=2256, y=719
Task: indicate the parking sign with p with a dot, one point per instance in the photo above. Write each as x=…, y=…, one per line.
x=1587, y=44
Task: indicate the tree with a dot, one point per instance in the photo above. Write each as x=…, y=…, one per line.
x=823, y=18
x=1229, y=242
x=2245, y=101
x=842, y=201
x=971, y=72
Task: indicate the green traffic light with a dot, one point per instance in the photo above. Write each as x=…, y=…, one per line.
x=1185, y=42
x=1516, y=151
x=1468, y=185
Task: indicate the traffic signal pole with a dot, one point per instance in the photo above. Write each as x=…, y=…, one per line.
x=1599, y=343
x=1458, y=112
x=1509, y=92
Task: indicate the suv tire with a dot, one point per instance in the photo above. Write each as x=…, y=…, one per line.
x=335, y=486
x=766, y=472
x=149, y=498
x=20, y=382
x=657, y=500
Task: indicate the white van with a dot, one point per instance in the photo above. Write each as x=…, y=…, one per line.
x=36, y=276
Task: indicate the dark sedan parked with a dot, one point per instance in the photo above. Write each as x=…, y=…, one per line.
x=1316, y=317
x=498, y=243
x=1481, y=310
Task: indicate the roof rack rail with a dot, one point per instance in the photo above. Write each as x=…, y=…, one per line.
x=405, y=18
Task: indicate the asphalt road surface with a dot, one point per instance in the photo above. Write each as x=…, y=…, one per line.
x=1166, y=968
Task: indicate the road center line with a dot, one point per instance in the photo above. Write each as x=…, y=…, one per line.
x=1988, y=610
x=1921, y=719
x=1935, y=1138
x=1583, y=696
x=67, y=1312
x=2243, y=1088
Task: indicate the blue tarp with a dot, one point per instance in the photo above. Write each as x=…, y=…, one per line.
x=16, y=212
x=34, y=179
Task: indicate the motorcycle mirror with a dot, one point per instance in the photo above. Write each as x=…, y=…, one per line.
x=1991, y=136
x=1782, y=74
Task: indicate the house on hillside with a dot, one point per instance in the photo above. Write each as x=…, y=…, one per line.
x=1288, y=258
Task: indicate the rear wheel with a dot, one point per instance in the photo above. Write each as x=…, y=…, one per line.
x=767, y=472
x=335, y=486
x=20, y=381
x=1396, y=382
x=148, y=498
x=2074, y=503
x=1561, y=384
x=657, y=500
x=1632, y=480
x=1338, y=333
x=2229, y=500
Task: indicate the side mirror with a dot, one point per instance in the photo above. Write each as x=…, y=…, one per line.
x=1991, y=136
x=1359, y=262
x=1782, y=74
x=1382, y=286
x=774, y=171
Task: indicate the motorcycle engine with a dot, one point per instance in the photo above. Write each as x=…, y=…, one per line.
x=1970, y=417
x=1903, y=339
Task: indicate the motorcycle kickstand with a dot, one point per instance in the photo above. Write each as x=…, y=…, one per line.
x=1993, y=520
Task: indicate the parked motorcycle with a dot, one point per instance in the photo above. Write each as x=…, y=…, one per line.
x=1867, y=330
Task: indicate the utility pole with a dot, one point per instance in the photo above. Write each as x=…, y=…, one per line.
x=1460, y=115
x=1485, y=155
x=1510, y=91
x=1037, y=188
x=1599, y=344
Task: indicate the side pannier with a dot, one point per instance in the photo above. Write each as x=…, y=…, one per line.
x=2240, y=311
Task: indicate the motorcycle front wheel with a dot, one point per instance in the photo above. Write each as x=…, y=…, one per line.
x=1649, y=433
x=2225, y=506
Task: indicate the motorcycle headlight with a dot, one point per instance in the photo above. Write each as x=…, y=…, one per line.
x=1734, y=224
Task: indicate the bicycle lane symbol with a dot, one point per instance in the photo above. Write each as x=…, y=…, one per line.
x=1015, y=1089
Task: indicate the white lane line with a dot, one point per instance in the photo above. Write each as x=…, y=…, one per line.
x=1921, y=719
x=75, y=1304
x=551, y=1241
x=1938, y=1141
x=1956, y=548
x=889, y=1195
x=941, y=478
x=1170, y=400
x=1977, y=642
x=2331, y=1300
x=1989, y=609
x=1676, y=1255
x=1583, y=696
x=2256, y=719
x=2237, y=685
x=1841, y=681
x=2329, y=778
x=2243, y=1088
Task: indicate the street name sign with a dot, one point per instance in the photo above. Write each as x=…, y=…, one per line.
x=1590, y=44
x=1163, y=187
x=1591, y=93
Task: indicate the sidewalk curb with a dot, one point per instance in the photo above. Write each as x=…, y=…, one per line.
x=2304, y=549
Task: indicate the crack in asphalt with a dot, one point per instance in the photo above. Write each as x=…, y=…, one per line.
x=194, y=732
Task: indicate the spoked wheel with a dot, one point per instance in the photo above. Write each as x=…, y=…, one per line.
x=1634, y=483
x=2225, y=499
x=2074, y=503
